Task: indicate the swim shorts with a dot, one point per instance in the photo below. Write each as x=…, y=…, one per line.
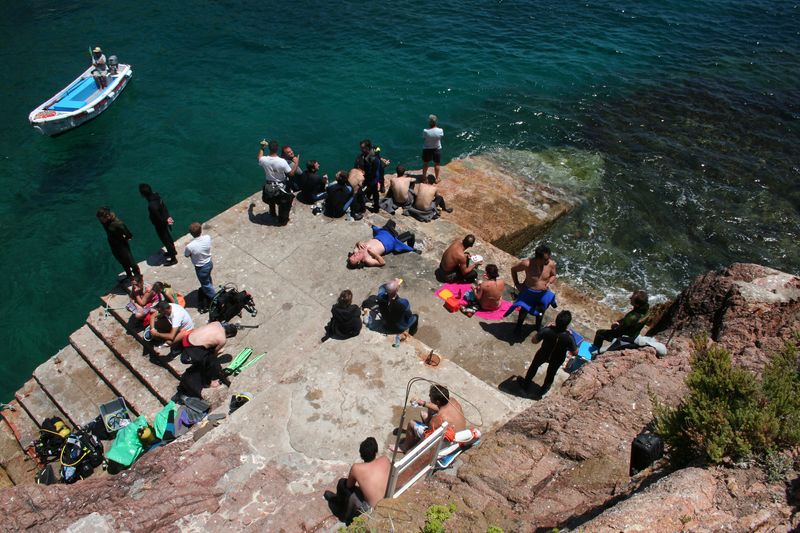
x=434, y=154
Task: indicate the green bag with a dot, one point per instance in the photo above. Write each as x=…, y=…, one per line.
x=160, y=421
x=126, y=447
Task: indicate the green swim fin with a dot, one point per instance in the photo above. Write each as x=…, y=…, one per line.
x=238, y=361
x=250, y=362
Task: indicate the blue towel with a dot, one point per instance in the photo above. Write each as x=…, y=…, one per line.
x=534, y=302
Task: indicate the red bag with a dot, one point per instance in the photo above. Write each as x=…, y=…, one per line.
x=452, y=304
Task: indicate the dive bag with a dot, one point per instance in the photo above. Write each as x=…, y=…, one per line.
x=230, y=302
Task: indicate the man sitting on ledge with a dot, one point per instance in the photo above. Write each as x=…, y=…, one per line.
x=384, y=241
x=365, y=485
x=455, y=265
x=535, y=294
x=628, y=326
x=172, y=324
x=440, y=408
x=395, y=311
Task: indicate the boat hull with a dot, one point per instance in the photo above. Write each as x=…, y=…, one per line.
x=51, y=123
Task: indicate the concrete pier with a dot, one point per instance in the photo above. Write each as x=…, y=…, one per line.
x=313, y=402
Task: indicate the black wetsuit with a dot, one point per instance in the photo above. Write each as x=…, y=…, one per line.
x=555, y=345
x=159, y=214
x=118, y=237
x=338, y=194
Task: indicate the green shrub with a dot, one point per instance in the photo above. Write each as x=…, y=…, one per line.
x=436, y=516
x=358, y=525
x=494, y=529
x=728, y=412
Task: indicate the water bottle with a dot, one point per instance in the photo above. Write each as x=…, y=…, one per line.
x=414, y=403
x=396, y=341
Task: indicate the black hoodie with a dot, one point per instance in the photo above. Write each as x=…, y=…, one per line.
x=345, y=322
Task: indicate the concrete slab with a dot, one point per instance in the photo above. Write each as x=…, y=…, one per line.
x=73, y=386
x=116, y=375
x=37, y=403
x=158, y=379
x=24, y=428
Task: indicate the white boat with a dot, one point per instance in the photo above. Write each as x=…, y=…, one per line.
x=79, y=102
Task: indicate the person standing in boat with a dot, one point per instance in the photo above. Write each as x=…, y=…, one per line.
x=100, y=71
x=118, y=237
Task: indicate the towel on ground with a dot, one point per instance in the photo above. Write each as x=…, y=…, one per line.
x=460, y=289
x=422, y=215
x=388, y=204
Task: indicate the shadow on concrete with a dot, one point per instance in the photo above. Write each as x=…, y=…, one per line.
x=504, y=331
x=156, y=259
x=515, y=386
x=264, y=219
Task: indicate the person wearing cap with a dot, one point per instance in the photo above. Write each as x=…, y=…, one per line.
x=432, y=146
x=100, y=70
x=172, y=323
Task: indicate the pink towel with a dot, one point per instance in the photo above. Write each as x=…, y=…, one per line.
x=459, y=289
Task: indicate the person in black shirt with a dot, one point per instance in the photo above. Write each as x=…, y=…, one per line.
x=345, y=318
x=371, y=163
x=118, y=237
x=556, y=342
x=312, y=187
x=159, y=217
x=338, y=196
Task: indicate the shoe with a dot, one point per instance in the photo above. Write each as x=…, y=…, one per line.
x=171, y=261
x=358, y=216
x=448, y=209
x=329, y=496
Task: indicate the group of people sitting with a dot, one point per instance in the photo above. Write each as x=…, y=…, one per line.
x=352, y=190
x=161, y=310
x=366, y=483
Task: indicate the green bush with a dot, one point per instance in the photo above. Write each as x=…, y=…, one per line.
x=436, y=516
x=728, y=412
x=494, y=529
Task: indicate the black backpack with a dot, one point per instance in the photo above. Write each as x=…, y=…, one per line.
x=52, y=436
x=230, y=302
x=81, y=454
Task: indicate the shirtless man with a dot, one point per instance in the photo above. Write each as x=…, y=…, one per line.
x=440, y=408
x=365, y=485
x=427, y=194
x=399, y=186
x=455, y=264
x=355, y=178
x=384, y=241
x=489, y=293
x=200, y=350
x=540, y=273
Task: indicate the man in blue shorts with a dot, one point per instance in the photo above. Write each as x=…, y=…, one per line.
x=384, y=241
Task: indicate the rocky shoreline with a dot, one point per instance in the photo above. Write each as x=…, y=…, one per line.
x=560, y=462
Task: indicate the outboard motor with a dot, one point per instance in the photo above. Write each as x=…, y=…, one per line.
x=112, y=64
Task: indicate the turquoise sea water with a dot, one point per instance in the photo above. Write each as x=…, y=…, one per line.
x=681, y=120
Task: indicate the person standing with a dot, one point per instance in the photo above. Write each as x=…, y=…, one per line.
x=118, y=237
x=557, y=341
x=432, y=146
x=276, y=191
x=199, y=250
x=159, y=217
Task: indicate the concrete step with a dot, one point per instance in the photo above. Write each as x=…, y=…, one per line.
x=116, y=375
x=22, y=425
x=73, y=386
x=20, y=468
x=37, y=403
x=158, y=379
x=116, y=308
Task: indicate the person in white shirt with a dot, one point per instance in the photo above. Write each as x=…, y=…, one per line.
x=172, y=323
x=100, y=70
x=276, y=192
x=199, y=250
x=432, y=146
